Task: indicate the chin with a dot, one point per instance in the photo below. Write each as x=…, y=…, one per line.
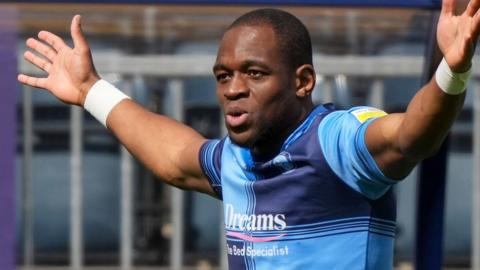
x=242, y=139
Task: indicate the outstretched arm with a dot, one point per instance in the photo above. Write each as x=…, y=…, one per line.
x=399, y=141
x=167, y=147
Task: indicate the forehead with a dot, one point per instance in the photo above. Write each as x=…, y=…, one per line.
x=256, y=42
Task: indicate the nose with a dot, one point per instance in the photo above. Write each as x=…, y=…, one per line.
x=237, y=88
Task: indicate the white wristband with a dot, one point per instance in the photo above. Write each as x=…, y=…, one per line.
x=101, y=99
x=451, y=82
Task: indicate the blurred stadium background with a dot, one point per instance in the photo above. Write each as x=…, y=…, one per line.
x=82, y=201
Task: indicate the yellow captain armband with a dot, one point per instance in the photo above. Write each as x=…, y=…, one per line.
x=365, y=113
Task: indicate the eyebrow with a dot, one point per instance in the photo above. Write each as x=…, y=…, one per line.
x=249, y=63
x=217, y=67
x=245, y=64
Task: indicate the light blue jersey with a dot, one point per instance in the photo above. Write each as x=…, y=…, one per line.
x=321, y=203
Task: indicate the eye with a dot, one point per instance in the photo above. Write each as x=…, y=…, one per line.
x=222, y=77
x=255, y=74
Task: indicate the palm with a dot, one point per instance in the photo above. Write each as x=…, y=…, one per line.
x=457, y=35
x=70, y=70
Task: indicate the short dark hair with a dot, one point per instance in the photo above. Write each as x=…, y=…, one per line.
x=292, y=35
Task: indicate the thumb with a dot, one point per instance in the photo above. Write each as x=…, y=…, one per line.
x=79, y=40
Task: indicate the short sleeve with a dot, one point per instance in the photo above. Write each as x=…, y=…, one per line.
x=342, y=139
x=210, y=162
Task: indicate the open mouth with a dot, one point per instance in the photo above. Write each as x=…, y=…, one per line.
x=236, y=117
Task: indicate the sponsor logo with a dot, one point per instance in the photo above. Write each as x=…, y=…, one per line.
x=275, y=250
x=251, y=223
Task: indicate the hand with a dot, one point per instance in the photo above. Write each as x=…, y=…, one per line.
x=70, y=71
x=457, y=34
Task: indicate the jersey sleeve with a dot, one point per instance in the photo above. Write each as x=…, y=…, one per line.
x=210, y=162
x=342, y=139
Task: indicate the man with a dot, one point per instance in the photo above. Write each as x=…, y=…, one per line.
x=303, y=187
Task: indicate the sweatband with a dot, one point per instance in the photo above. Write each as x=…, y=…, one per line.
x=451, y=82
x=101, y=99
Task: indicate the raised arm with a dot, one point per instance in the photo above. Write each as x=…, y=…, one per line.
x=399, y=141
x=168, y=148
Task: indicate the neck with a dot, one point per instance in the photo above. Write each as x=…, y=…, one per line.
x=271, y=143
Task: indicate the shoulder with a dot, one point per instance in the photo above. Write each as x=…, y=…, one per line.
x=342, y=139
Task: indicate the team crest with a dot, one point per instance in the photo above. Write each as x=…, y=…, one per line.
x=284, y=162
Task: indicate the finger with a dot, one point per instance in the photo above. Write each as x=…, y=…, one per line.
x=32, y=81
x=473, y=7
x=78, y=37
x=448, y=7
x=41, y=48
x=476, y=26
x=53, y=40
x=37, y=61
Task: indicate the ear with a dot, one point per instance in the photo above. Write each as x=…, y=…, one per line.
x=305, y=80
